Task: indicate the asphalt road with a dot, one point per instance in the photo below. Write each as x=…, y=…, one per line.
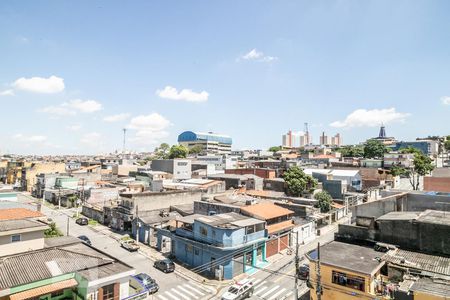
x=172, y=286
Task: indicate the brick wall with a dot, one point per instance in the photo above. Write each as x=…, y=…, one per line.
x=437, y=184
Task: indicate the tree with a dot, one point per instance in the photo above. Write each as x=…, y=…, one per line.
x=397, y=170
x=324, y=201
x=422, y=165
x=298, y=182
x=196, y=149
x=274, y=148
x=410, y=150
x=351, y=151
x=178, y=151
x=374, y=149
x=162, y=152
x=447, y=143
x=53, y=231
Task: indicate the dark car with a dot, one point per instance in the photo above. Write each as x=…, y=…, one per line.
x=82, y=221
x=165, y=265
x=303, y=272
x=149, y=283
x=85, y=239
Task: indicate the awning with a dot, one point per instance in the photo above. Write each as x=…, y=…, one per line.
x=44, y=290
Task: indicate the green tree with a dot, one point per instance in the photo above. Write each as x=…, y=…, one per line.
x=410, y=150
x=162, y=152
x=178, y=151
x=422, y=165
x=374, y=149
x=324, y=201
x=52, y=231
x=351, y=151
x=274, y=148
x=196, y=149
x=447, y=143
x=397, y=170
x=298, y=182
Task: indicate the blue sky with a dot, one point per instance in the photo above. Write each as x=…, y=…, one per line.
x=74, y=73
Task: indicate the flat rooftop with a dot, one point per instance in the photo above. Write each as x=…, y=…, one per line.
x=358, y=259
x=399, y=215
x=435, y=217
x=228, y=220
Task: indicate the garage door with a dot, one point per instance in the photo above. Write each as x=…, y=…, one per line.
x=272, y=247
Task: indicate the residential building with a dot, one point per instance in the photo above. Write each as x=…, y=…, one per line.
x=260, y=172
x=210, y=143
x=346, y=272
x=179, y=168
x=439, y=181
x=250, y=181
x=279, y=224
x=330, y=140
x=222, y=246
x=296, y=139
x=404, y=160
x=337, y=140
x=352, y=177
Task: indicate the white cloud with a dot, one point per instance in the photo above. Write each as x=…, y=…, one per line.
x=84, y=106
x=184, y=95
x=74, y=127
x=91, y=138
x=7, y=93
x=256, y=55
x=116, y=118
x=42, y=85
x=149, y=128
x=371, y=118
x=445, y=100
x=33, y=138
x=73, y=107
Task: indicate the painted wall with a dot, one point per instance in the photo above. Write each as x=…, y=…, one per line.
x=29, y=241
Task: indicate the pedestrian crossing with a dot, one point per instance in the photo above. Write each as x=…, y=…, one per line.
x=271, y=291
x=183, y=292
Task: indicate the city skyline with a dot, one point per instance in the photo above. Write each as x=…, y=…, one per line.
x=76, y=75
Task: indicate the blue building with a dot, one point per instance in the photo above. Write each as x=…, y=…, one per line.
x=210, y=143
x=223, y=245
x=426, y=147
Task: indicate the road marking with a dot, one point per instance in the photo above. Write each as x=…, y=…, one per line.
x=188, y=292
x=191, y=288
x=177, y=292
x=171, y=296
x=162, y=297
x=288, y=294
x=260, y=290
x=270, y=291
x=276, y=294
x=256, y=281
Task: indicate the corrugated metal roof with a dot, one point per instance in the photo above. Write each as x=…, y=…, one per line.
x=420, y=261
x=46, y=289
x=16, y=270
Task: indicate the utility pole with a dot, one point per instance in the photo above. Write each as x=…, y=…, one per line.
x=297, y=261
x=68, y=225
x=319, y=285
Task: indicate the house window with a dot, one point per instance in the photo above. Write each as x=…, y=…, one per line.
x=214, y=233
x=250, y=229
x=203, y=231
x=196, y=251
x=108, y=292
x=15, y=238
x=188, y=248
x=350, y=281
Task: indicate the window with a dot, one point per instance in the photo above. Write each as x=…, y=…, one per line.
x=108, y=292
x=196, y=251
x=188, y=248
x=15, y=238
x=214, y=233
x=350, y=281
x=203, y=231
x=250, y=229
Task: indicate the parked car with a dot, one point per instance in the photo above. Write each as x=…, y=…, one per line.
x=82, y=221
x=149, y=283
x=165, y=265
x=303, y=272
x=85, y=239
x=240, y=290
x=130, y=245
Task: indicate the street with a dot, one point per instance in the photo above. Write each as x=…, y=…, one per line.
x=172, y=286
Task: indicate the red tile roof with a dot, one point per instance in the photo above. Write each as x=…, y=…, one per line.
x=18, y=213
x=266, y=211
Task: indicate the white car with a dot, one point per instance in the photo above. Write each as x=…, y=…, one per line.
x=240, y=290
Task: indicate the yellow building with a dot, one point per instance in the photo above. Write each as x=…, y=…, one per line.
x=350, y=271
x=347, y=272
x=36, y=168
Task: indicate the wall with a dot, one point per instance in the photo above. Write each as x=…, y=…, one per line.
x=201, y=207
x=29, y=241
x=263, y=173
x=436, y=184
x=154, y=201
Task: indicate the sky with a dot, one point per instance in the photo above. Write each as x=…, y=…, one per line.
x=73, y=74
